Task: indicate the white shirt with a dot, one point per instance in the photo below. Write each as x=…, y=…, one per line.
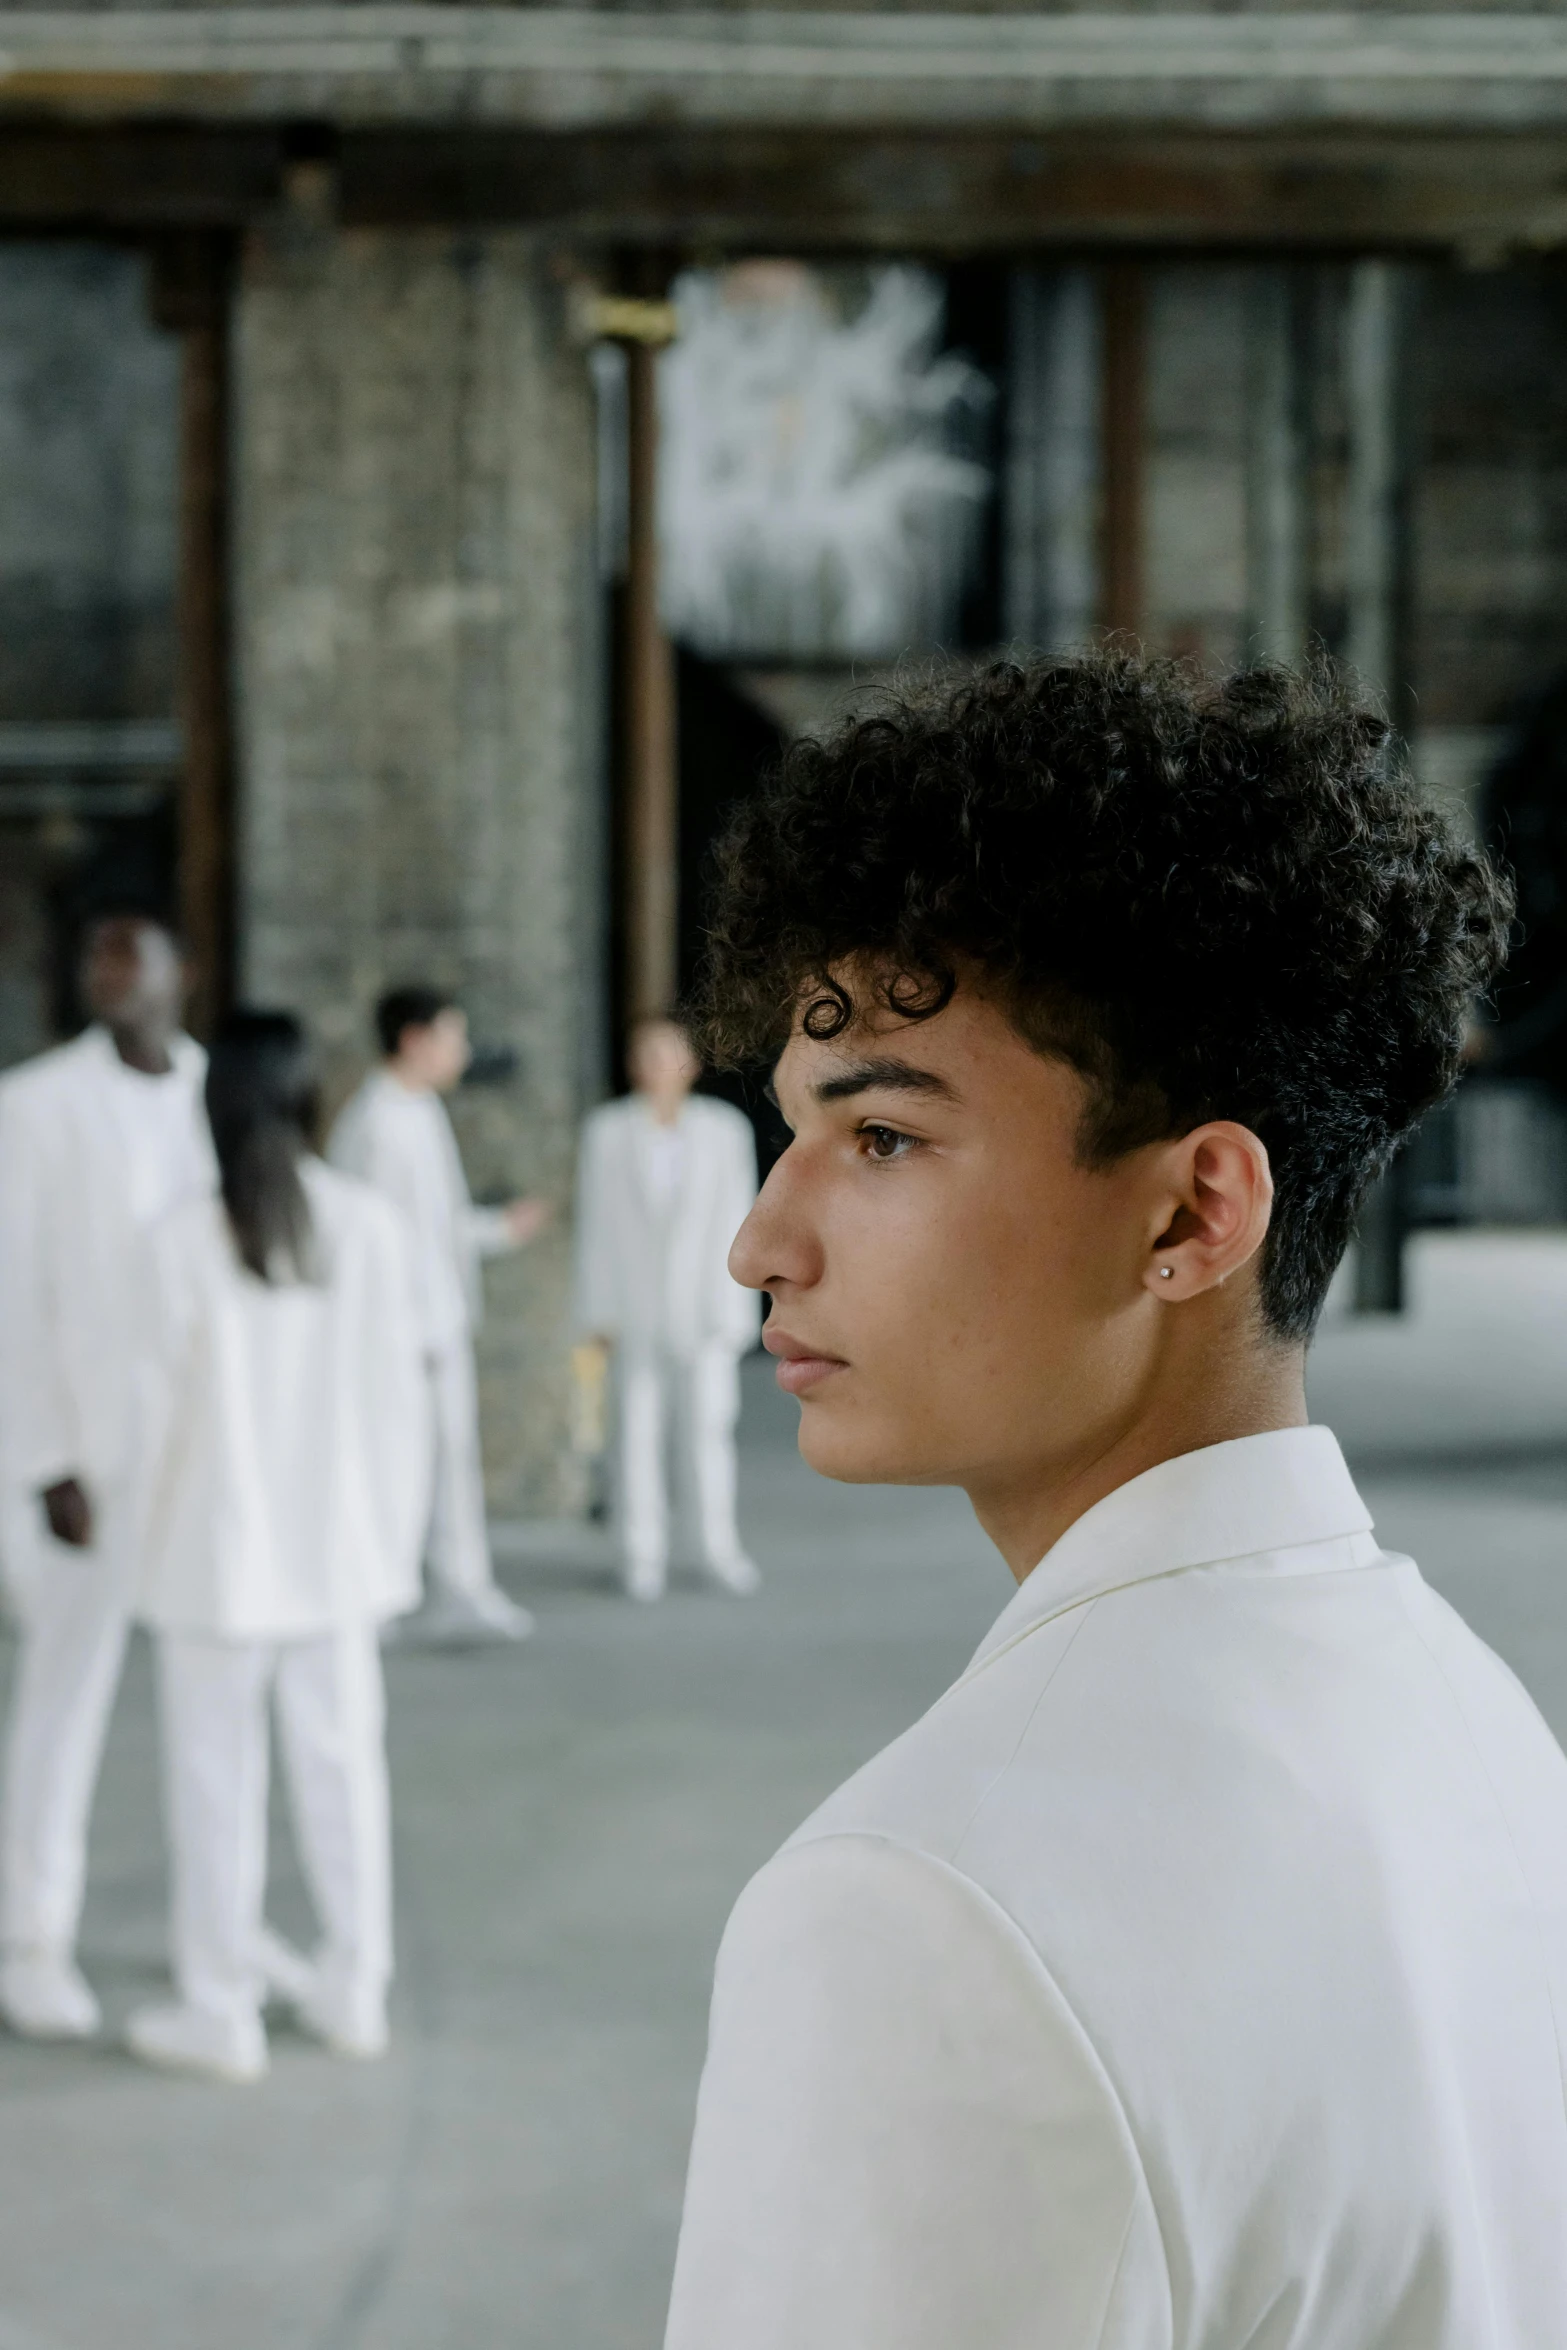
x=666, y=1161
x=287, y=1478
x=1192, y=1977
x=402, y=1142
x=90, y=1153
x=657, y=1209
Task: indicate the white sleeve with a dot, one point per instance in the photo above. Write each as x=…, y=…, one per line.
x=166, y=1299
x=348, y=1144
x=595, y=1305
x=397, y=1401
x=487, y=1231
x=739, y=1311
x=379, y=1153
x=40, y=1441
x=904, y=2140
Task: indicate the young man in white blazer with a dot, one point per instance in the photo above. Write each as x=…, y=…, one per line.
x=395, y=1134
x=97, y=1139
x=1194, y=1975
x=666, y=1177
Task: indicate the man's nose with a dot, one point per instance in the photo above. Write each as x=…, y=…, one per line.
x=776, y=1245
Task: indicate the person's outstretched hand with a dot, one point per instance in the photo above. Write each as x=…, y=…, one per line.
x=69, y=1513
x=526, y=1219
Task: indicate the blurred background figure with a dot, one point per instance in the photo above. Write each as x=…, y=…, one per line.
x=96, y=1140
x=396, y=1135
x=287, y=1495
x=666, y=1180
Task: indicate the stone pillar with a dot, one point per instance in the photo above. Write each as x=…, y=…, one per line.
x=420, y=706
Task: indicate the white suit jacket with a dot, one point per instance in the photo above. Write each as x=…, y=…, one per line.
x=657, y=1278
x=1192, y=1977
x=289, y=1427
x=90, y=1154
x=403, y=1144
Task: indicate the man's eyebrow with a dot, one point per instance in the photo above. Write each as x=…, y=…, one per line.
x=885, y=1076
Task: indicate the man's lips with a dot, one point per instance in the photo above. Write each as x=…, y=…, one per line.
x=800, y=1367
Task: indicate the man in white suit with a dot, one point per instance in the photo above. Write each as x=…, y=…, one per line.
x=395, y=1135
x=96, y=1140
x=666, y=1179
x=1194, y=1975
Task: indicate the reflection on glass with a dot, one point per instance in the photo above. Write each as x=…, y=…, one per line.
x=822, y=487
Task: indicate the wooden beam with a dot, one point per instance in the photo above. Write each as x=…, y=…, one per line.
x=651, y=784
x=819, y=188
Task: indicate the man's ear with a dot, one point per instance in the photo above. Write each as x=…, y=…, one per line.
x=1215, y=1210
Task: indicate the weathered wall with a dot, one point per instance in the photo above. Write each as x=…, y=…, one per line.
x=418, y=710
x=88, y=402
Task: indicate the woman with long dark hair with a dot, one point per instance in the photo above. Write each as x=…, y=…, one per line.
x=283, y=1519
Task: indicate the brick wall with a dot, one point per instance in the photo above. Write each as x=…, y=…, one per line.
x=419, y=702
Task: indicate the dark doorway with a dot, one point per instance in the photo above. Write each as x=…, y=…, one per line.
x=89, y=749
x=726, y=745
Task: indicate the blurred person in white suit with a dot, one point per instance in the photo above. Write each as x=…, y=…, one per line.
x=97, y=1138
x=666, y=1178
x=395, y=1134
x=288, y=1426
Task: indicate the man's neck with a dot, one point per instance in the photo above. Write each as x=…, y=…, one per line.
x=146, y=1050
x=664, y=1109
x=406, y=1078
x=1253, y=1393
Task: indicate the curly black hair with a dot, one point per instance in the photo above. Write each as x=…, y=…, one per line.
x=1214, y=898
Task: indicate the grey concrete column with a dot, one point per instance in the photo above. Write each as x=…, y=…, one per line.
x=1373, y=580
x=1374, y=488
x=420, y=704
x=1276, y=512
x=1051, y=580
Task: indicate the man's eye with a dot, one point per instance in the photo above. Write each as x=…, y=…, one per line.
x=885, y=1142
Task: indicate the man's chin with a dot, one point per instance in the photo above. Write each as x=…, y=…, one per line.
x=839, y=1446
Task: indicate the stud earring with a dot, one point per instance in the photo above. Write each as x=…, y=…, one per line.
x=1167, y=1272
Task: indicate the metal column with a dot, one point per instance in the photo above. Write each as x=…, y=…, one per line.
x=1051, y=593
x=1124, y=436
x=1276, y=570
x=1374, y=576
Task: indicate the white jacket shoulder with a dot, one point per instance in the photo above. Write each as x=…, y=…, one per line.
x=347, y=1204
x=904, y=2137
x=719, y=1117
x=47, y=1074
x=611, y=1116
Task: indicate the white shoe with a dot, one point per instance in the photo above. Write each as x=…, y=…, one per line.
x=739, y=1576
x=642, y=1579
x=349, y=2022
x=285, y=1972
x=462, y=1619
x=193, y=2040
x=46, y=1997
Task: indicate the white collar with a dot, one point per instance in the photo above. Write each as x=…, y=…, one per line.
x=186, y=1056
x=1275, y=1492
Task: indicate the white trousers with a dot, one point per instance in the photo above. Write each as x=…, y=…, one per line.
x=459, y=1543
x=677, y=1412
x=73, y=1615
x=331, y=1714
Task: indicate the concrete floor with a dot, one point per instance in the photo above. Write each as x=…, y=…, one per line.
x=573, y=1822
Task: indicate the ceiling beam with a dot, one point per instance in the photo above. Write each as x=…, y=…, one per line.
x=584, y=68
